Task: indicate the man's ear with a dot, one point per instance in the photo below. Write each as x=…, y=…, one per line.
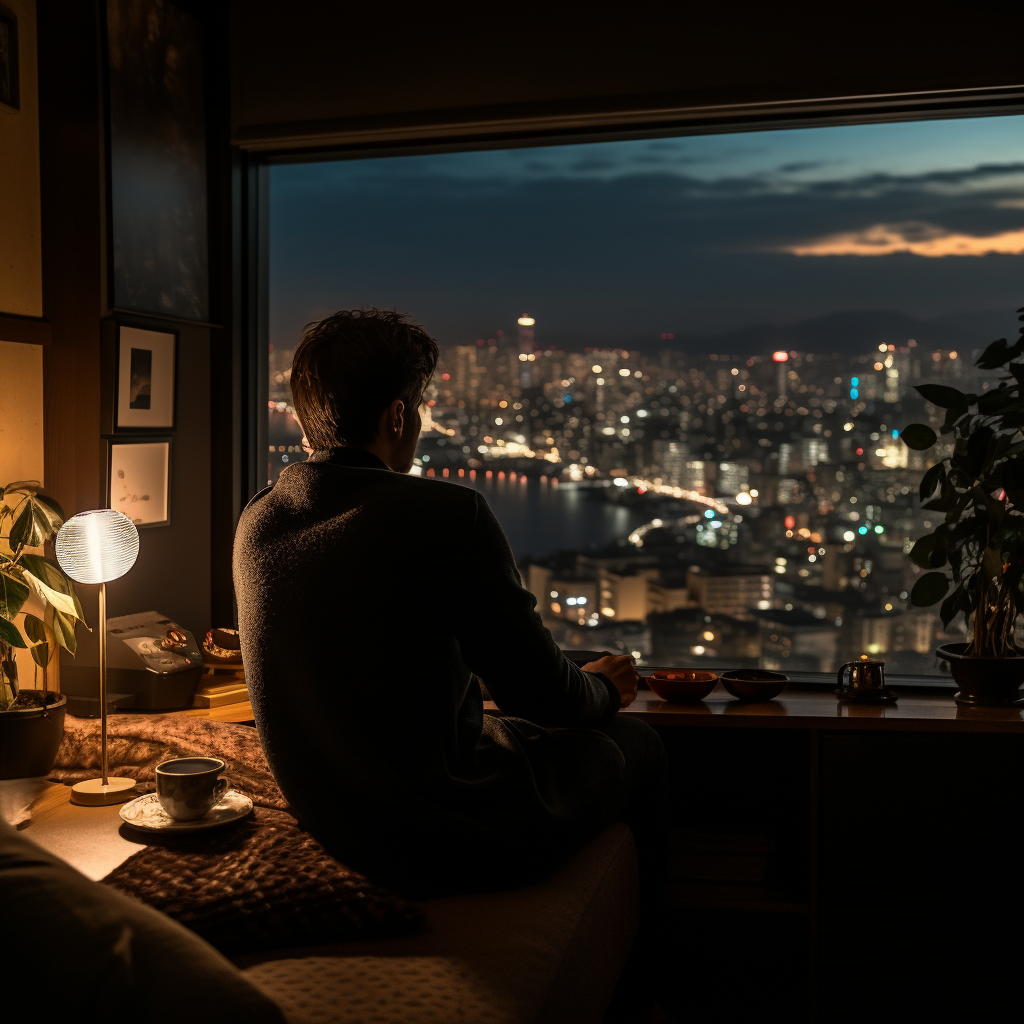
x=396, y=417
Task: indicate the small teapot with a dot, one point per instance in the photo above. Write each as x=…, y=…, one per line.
x=866, y=683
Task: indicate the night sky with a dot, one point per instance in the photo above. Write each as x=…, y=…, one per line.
x=615, y=243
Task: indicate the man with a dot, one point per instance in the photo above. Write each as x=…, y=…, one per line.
x=368, y=600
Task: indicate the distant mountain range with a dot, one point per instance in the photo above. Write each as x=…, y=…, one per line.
x=850, y=333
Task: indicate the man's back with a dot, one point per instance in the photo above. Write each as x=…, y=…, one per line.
x=365, y=598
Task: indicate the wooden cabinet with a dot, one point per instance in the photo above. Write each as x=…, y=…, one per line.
x=893, y=838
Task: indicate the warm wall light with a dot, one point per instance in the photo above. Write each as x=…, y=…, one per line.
x=97, y=547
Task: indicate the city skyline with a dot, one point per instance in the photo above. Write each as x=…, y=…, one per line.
x=607, y=315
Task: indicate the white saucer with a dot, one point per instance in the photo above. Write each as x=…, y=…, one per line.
x=145, y=813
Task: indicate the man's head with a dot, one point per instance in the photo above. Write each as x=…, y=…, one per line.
x=358, y=378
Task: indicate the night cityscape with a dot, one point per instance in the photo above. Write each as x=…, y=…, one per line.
x=677, y=368
x=778, y=503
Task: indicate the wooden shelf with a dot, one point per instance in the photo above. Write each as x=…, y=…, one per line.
x=814, y=709
x=241, y=712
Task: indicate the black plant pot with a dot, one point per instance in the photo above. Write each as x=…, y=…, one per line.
x=29, y=738
x=984, y=682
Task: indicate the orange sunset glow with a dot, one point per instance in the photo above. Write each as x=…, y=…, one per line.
x=920, y=239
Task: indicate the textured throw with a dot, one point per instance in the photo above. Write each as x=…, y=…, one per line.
x=262, y=884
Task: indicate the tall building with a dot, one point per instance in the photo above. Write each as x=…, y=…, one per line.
x=527, y=338
x=781, y=360
x=733, y=477
x=668, y=461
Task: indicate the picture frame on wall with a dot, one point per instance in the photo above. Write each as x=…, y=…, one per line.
x=10, y=89
x=145, y=371
x=139, y=479
x=158, y=218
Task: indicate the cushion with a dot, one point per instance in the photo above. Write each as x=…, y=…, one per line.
x=261, y=884
x=86, y=952
x=547, y=953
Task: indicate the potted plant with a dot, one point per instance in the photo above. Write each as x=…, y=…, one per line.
x=975, y=556
x=31, y=720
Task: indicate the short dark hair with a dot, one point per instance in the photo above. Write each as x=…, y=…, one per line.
x=351, y=366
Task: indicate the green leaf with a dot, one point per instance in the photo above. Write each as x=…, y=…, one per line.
x=929, y=589
x=41, y=655
x=943, y=503
x=20, y=485
x=35, y=630
x=994, y=356
x=918, y=436
x=9, y=634
x=13, y=594
x=45, y=512
x=941, y=395
x=61, y=602
x=53, y=507
x=31, y=528
x=950, y=607
x=63, y=629
x=953, y=417
x=935, y=477
x=993, y=402
x=930, y=551
x=51, y=574
x=977, y=447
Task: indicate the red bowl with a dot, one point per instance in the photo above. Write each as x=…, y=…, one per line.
x=754, y=684
x=682, y=685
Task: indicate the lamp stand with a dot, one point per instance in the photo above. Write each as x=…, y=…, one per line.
x=104, y=790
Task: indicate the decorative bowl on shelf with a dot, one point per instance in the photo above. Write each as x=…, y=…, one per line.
x=682, y=685
x=752, y=684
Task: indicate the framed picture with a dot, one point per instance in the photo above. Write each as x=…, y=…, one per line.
x=139, y=480
x=10, y=92
x=156, y=132
x=145, y=366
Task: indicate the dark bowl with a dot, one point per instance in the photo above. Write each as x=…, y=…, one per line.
x=682, y=685
x=754, y=684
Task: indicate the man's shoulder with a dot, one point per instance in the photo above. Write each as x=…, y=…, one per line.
x=307, y=483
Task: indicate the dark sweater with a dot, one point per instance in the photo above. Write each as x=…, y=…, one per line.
x=367, y=600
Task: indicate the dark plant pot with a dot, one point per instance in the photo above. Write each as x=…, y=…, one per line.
x=984, y=682
x=29, y=738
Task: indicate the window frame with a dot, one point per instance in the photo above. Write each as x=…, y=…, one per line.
x=251, y=207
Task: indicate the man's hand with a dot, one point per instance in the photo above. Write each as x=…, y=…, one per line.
x=621, y=670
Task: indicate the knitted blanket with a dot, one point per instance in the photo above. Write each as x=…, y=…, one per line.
x=258, y=885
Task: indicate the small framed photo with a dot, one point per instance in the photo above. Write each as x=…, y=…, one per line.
x=139, y=475
x=145, y=371
x=10, y=91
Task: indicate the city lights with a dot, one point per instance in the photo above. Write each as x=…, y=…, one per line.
x=673, y=436
x=526, y=321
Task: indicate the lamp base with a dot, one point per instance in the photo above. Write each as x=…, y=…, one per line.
x=93, y=793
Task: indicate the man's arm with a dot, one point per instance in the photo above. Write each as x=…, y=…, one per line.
x=503, y=640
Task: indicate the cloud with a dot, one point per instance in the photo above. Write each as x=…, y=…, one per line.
x=803, y=165
x=917, y=238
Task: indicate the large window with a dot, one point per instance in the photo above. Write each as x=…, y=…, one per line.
x=677, y=367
